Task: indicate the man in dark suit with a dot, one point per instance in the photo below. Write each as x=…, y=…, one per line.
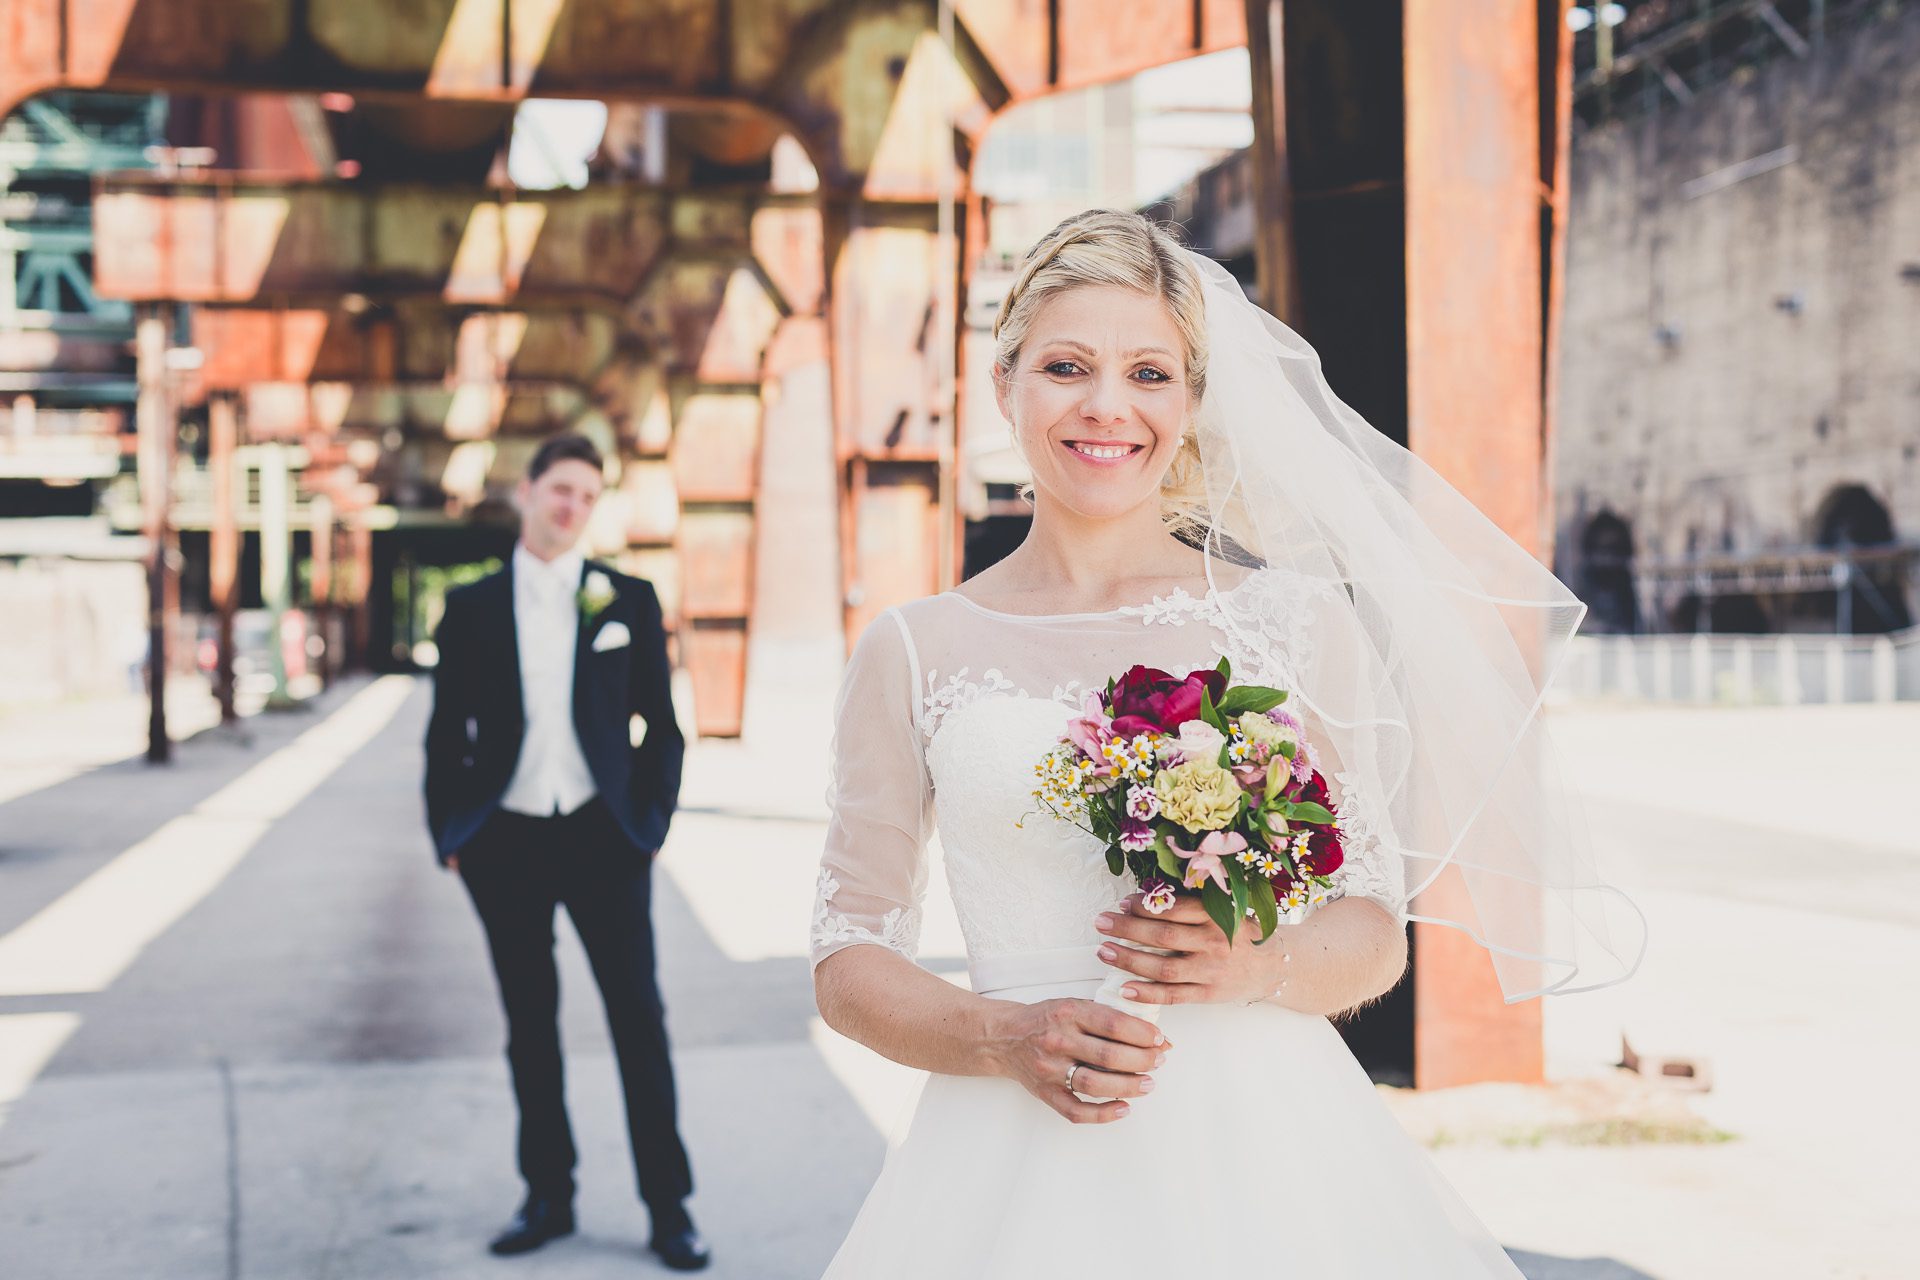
x=536, y=797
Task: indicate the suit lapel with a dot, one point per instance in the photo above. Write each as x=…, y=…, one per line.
x=583, y=646
x=507, y=604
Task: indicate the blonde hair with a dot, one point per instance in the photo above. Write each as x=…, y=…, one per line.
x=1110, y=247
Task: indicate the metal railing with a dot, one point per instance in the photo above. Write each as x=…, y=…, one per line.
x=1745, y=670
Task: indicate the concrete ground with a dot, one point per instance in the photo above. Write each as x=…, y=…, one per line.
x=247, y=1027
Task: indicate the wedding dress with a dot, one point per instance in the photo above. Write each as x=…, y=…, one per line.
x=1264, y=1150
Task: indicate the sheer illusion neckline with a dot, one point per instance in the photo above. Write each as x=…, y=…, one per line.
x=1165, y=600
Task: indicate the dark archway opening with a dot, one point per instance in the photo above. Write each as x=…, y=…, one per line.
x=1870, y=593
x=1606, y=575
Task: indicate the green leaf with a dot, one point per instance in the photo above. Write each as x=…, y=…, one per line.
x=1219, y=905
x=1307, y=811
x=1116, y=859
x=1211, y=713
x=1170, y=862
x=1225, y=668
x=1237, y=877
x=1251, y=699
x=1289, y=749
x=1265, y=908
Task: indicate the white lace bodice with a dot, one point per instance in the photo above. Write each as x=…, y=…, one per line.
x=944, y=710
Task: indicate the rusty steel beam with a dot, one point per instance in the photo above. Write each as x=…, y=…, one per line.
x=830, y=70
x=1556, y=177
x=1479, y=388
x=49, y=350
x=465, y=411
x=663, y=263
x=1476, y=406
x=407, y=342
x=239, y=241
x=1036, y=49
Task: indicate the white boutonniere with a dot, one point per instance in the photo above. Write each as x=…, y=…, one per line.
x=596, y=593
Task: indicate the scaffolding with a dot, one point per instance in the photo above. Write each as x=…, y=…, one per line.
x=1643, y=58
x=1868, y=585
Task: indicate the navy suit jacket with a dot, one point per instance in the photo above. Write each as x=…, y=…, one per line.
x=474, y=736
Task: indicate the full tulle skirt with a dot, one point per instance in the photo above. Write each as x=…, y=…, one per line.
x=1263, y=1150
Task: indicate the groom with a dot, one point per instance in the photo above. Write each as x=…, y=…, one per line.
x=536, y=798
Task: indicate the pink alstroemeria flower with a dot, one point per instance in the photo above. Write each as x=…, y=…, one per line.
x=1207, y=862
x=1092, y=728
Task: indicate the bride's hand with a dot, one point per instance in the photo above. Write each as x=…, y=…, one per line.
x=1038, y=1044
x=1206, y=968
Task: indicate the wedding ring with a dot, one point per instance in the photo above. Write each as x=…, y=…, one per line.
x=1070, y=1074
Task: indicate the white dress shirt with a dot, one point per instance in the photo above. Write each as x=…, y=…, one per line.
x=552, y=775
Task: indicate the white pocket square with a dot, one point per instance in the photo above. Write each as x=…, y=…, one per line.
x=612, y=636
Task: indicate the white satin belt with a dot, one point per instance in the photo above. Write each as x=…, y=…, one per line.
x=994, y=975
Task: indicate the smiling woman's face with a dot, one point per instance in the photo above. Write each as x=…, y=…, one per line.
x=1097, y=397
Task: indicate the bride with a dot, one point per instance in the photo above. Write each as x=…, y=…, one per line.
x=1198, y=493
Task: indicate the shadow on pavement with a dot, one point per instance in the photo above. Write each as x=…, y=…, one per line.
x=1545, y=1266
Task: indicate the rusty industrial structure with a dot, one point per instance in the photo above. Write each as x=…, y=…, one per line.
x=784, y=193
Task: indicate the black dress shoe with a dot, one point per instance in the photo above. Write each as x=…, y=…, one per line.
x=682, y=1249
x=537, y=1222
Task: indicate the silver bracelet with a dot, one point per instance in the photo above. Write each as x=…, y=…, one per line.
x=1286, y=957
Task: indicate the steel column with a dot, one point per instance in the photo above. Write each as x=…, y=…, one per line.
x=158, y=432
x=1475, y=336
x=223, y=542
x=276, y=560
x=1274, y=233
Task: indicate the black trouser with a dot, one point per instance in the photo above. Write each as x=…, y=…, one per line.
x=517, y=870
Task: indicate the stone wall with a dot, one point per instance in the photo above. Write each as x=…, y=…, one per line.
x=1741, y=335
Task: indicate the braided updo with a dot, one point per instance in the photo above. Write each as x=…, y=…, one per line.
x=1110, y=247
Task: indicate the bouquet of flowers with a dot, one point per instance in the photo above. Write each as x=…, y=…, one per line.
x=1197, y=785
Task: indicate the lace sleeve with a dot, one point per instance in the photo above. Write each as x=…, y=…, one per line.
x=1371, y=867
x=873, y=874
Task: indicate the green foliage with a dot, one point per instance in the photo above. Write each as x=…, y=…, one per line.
x=1219, y=905
x=1265, y=908
x=1210, y=713
x=1169, y=861
x=1251, y=699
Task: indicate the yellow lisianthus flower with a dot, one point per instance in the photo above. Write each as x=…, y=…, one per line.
x=1199, y=795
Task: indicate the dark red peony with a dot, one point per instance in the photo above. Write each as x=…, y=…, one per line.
x=1149, y=700
x=1324, y=854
